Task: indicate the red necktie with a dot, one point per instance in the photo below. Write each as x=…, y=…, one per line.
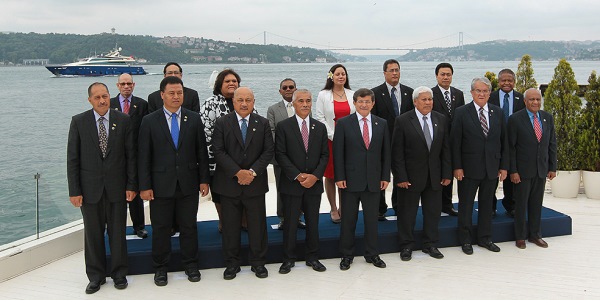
x=304, y=131
x=126, y=106
x=365, y=132
x=537, y=128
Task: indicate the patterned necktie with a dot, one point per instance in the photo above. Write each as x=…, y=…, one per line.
x=427, y=133
x=304, y=132
x=244, y=130
x=448, y=103
x=483, y=122
x=537, y=128
x=506, y=108
x=290, y=109
x=174, y=129
x=103, y=137
x=365, y=132
x=395, y=102
x=126, y=106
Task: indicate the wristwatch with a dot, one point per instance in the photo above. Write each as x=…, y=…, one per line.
x=253, y=173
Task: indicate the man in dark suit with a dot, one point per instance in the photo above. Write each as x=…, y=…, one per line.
x=532, y=144
x=173, y=169
x=361, y=158
x=421, y=166
x=391, y=100
x=243, y=148
x=479, y=158
x=136, y=108
x=101, y=170
x=510, y=101
x=446, y=99
x=302, y=153
x=191, y=100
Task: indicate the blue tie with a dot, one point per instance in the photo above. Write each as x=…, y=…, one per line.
x=506, y=108
x=395, y=102
x=244, y=130
x=174, y=129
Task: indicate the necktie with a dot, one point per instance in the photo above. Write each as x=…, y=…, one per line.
x=448, y=103
x=506, y=108
x=174, y=129
x=537, y=128
x=103, y=137
x=427, y=133
x=304, y=132
x=244, y=130
x=483, y=122
x=365, y=132
x=395, y=102
x=126, y=106
x=290, y=109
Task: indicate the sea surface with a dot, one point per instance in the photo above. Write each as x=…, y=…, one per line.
x=37, y=109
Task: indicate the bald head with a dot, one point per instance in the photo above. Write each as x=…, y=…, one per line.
x=125, y=85
x=243, y=101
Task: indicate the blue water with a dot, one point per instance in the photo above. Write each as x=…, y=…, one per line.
x=37, y=108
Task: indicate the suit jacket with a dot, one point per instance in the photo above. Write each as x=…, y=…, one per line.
x=275, y=114
x=518, y=99
x=232, y=155
x=479, y=156
x=362, y=168
x=138, y=108
x=88, y=173
x=294, y=159
x=162, y=165
x=383, y=103
x=528, y=157
x=439, y=102
x=191, y=100
x=412, y=161
x=323, y=109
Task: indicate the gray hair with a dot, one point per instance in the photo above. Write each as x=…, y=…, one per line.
x=420, y=90
x=300, y=91
x=529, y=90
x=481, y=79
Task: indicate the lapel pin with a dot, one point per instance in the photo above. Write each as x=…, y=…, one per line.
x=517, y=98
x=185, y=118
x=491, y=111
x=544, y=120
x=253, y=129
x=116, y=108
x=135, y=106
x=434, y=124
x=376, y=123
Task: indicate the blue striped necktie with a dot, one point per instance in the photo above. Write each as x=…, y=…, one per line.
x=174, y=129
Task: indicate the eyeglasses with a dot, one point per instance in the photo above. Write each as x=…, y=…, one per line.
x=481, y=92
x=393, y=71
x=173, y=73
x=126, y=83
x=287, y=87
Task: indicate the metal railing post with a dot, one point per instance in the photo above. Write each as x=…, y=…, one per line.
x=37, y=204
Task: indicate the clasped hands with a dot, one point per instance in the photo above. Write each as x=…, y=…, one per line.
x=307, y=180
x=244, y=177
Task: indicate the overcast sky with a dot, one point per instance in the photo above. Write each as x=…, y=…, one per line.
x=315, y=23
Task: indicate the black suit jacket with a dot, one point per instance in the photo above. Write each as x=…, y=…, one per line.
x=383, y=103
x=479, y=156
x=138, y=108
x=88, y=173
x=518, y=99
x=439, y=102
x=161, y=165
x=232, y=155
x=363, y=169
x=191, y=100
x=293, y=159
x=412, y=161
x=528, y=157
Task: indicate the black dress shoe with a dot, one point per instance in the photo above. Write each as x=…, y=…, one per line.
x=467, y=249
x=345, y=263
x=316, y=265
x=405, y=254
x=433, y=252
x=301, y=225
x=490, y=246
x=381, y=217
x=451, y=212
x=376, y=261
x=230, y=272
x=142, y=233
x=160, y=278
x=94, y=286
x=286, y=267
x=260, y=271
x=120, y=283
x=193, y=275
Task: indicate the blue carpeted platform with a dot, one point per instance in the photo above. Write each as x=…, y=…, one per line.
x=210, y=255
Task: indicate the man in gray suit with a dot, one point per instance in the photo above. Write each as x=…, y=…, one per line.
x=276, y=113
x=101, y=170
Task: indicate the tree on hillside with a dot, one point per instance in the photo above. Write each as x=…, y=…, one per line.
x=525, y=78
x=492, y=77
x=589, y=137
x=562, y=102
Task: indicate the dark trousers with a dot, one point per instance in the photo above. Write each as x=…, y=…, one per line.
x=97, y=217
x=383, y=206
x=293, y=205
x=370, y=203
x=136, y=212
x=508, y=201
x=185, y=209
x=408, y=205
x=447, y=196
x=231, y=209
x=467, y=188
x=277, y=171
x=529, y=195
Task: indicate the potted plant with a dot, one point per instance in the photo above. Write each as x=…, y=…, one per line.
x=589, y=138
x=562, y=102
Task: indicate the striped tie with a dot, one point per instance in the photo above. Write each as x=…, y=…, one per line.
x=483, y=122
x=365, y=133
x=537, y=128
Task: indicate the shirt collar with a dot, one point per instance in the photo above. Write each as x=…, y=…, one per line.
x=420, y=115
x=122, y=98
x=477, y=107
x=168, y=113
x=97, y=115
x=389, y=87
x=360, y=117
x=531, y=114
x=444, y=90
x=239, y=118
